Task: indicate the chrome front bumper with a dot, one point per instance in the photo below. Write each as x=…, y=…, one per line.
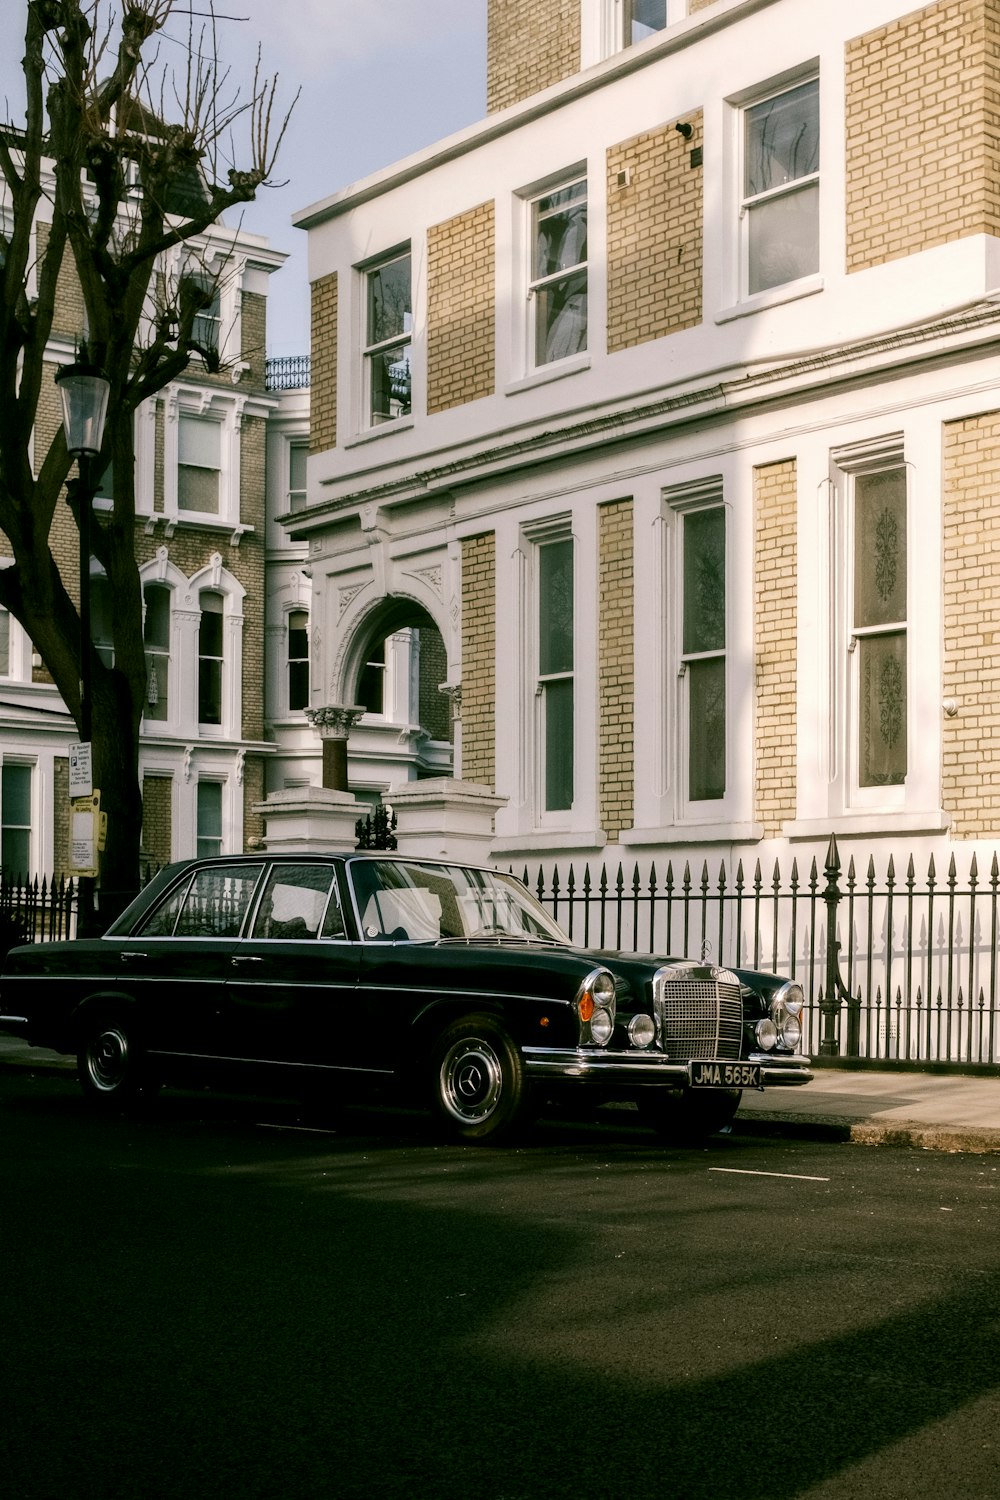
x=594, y=1065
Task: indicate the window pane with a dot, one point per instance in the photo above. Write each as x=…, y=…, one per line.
x=297, y=454
x=555, y=607
x=561, y=318
x=198, y=489
x=389, y=378
x=15, y=833
x=156, y=631
x=882, y=750
x=4, y=643
x=157, y=687
x=880, y=548
x=371, y=688
x=705, y=581
x=783, y=239
x=298, y=659
x=389, y=311
x=558, y=707
x=643, y=17
x=209, y=819
x=15, y=791
x=15, y=853
x=210, y=660
x=707, y=729
x=561, y=230
x=199, y=441
x=782, y=139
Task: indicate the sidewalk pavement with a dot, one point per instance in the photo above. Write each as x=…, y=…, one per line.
x=932, y=1111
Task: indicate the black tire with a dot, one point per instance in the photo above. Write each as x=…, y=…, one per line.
x=688, y=1117
x=112, y=1065
x=479, y=1090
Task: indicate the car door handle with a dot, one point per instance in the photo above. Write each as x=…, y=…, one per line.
x=129, y=957
x=246, y=958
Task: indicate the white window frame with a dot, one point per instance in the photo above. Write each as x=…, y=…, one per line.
x=603, y=27
x=557, y=529
x=681, y=502
x=535, y=285
x=746, y=204
x=202, y=783
x=372, y=349
x=293, y=446
x=879, y=456
x=208, y=404
x=289, y=660
x=12, y=762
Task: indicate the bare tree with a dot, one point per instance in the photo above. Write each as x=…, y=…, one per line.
x=123, y=156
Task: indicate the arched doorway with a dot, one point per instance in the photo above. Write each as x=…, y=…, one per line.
x=395, y=666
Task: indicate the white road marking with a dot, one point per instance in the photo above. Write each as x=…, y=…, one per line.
x=745, y=1172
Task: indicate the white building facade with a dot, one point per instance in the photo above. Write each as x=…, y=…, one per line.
x=668, y=396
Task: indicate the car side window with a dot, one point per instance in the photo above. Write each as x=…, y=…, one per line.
x=214, y=904
x=300, y=902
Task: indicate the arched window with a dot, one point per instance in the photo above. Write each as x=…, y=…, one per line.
x=298, y=659
x=156, y=637
x=210, y=658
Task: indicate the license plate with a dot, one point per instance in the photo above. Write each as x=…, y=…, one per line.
x=724, y=1075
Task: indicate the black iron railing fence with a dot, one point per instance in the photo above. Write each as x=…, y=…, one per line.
x=36, y=911
x=895, y=967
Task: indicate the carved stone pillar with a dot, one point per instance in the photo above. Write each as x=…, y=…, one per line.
x=335, y=723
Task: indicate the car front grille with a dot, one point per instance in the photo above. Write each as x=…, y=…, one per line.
x=698, y=1014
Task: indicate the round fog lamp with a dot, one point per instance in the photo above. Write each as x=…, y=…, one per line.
x=641, y=1031
x=767, y=1035
x=601, y=1026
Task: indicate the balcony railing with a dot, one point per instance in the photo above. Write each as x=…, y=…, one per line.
x=288, y=374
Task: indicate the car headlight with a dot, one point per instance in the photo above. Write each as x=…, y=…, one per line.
x=790, y=1035
x=602, y=1026
x=789, y=997
x=766, y=1034
x=785, y=1008
x=595, y=1006
x=642, y=1031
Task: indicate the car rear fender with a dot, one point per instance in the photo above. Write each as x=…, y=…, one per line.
x=98, y=1006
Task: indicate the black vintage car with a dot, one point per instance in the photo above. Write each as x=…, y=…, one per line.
x=350, y=972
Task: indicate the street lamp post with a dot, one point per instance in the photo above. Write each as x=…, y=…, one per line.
x=84, y=390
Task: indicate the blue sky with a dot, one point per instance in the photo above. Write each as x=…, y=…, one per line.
x=380, y=79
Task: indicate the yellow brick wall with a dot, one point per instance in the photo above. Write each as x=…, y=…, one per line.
x=616, y=669
x=775, y=663
x=323, y=403
x=529, y=46
x=461, y=308
x=253, y=335
x=69, y=315
x=923, y=131
x=157, y=819
x=694, y=5
x=479, y=659
x=655, y=236
x=970, y=766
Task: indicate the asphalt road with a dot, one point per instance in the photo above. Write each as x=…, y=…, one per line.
x=211, y=1301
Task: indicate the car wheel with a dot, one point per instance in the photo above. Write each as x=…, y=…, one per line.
x=479, y=1089
x=686, y=1117
x=113, y=1067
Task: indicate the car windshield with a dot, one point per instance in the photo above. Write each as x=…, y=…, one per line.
x=430, y=903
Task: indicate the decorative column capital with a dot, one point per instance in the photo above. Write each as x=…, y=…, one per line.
x=336, y=720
